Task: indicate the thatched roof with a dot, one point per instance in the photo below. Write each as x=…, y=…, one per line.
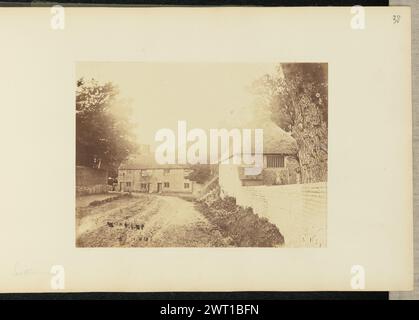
x=276, y=140
x=147, y=161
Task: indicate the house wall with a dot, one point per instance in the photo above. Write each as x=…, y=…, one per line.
x=175, y=178
x=298, y=210
x=285, y=175
x=288, y=174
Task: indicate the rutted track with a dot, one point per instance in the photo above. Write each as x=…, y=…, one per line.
x=145, y=221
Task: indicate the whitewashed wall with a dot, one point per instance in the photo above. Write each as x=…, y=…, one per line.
x=298, y=210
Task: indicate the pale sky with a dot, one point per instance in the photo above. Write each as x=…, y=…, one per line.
x=161, y=94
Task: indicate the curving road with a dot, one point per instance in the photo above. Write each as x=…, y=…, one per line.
x=144, y=220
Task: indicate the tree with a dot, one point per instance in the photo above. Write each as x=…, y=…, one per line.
x=103, y=131
x=297, y=97
x=200, y=173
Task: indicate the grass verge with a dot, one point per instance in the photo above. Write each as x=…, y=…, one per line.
x=239, y=225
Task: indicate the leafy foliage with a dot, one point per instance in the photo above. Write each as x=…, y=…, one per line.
x=200, y=173
x=103, y=132
x=240, y=225
x=297, y=97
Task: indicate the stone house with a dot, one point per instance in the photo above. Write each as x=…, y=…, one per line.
x=144, y=174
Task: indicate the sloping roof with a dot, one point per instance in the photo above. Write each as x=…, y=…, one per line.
x=276, y=140
x=148, y=161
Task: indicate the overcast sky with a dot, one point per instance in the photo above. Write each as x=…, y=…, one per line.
x=205, y=95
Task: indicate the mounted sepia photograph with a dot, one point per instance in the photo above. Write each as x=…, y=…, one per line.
x=206, y=149
x=201, y=154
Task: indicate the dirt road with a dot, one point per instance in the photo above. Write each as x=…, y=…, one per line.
x=144, y=221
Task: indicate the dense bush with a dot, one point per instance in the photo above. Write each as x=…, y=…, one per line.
x=241, y=225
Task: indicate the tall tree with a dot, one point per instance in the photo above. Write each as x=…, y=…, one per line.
x=297, y=97
x=103, y=131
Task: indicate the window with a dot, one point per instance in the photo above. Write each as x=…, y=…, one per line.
x=128, y=184
x=166, y=184
x=274, y=161
x=186, y=185
x=144, y=186
x=146, y=173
